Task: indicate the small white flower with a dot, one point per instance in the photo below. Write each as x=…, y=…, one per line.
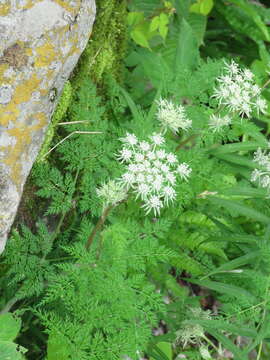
x=232, y=68
x=145, y=146
x=255, y=175
x=157, y=164
x=161, y=154
x=169, y=194
x=248, y=74
x=153, y=203
x=142, y=190
x=172, y=116
x=149, y=178
x=171, y=158
x=265, y=181
x=157, y=185
x=216, y=122
x=159, y=178
x=171, y=178
x=146, y=164
x=151, y=155
x=133, y=168
x=157, y=139
x=139, y=157
x=184, y=171
x=262, y=175
x=245, y=109
x=140, y=178
x=255, y=90
x=128, y=179
x=261, y=105
x=164, y=168
x=130, y=139
x=124, y=155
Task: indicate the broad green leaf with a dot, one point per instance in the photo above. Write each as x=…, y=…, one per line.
x=187, y=53
x=202, y=7
x=138, y=34
x=236, y=208
x=223, y=288
x=198, y=25
x=9, y=351
x=154, y=23
x=58, y=347
x=134, y=18
x=9, y=327
x=163, y=25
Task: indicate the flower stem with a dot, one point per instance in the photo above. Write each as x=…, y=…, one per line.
x=98, y=226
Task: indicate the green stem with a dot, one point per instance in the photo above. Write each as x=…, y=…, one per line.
x=98, y=226
x=183, y=143
x=260, y=351
x=210, y=343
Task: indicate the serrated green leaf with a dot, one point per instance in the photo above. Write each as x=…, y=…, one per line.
x=235, y=263
x=187, y=53
x=225, y=326
x=245, y=146
x=236, y=208
x=228, y=344
x=223, y=288
x=140, y=34
x=134, y=18
x=154, y=23
x=163, y=25
x=164, y=349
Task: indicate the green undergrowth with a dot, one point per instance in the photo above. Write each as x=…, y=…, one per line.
x=96, y=271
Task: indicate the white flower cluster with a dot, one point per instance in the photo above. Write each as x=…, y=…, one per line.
x=112, y=193
x=238, y=92
x=151, y=172
x=216, y=122
x=262, y=158
x=172, y=117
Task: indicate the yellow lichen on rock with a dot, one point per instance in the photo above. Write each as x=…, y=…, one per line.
x=23, y=136
x=23, y=93
x=42, y=41
x=4, y=9
x=71, y=9
x=45, y=55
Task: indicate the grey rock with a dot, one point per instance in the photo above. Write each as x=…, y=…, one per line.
x=40, y=44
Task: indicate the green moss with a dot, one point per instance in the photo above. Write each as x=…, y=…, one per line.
x=107, y=46
x=61, y=109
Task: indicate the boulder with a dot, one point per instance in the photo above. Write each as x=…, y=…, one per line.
x=40, y=44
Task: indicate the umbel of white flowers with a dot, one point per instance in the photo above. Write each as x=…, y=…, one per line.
x=262, y=175
x=238, y=92
x=150, y=173
x=171, y=116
